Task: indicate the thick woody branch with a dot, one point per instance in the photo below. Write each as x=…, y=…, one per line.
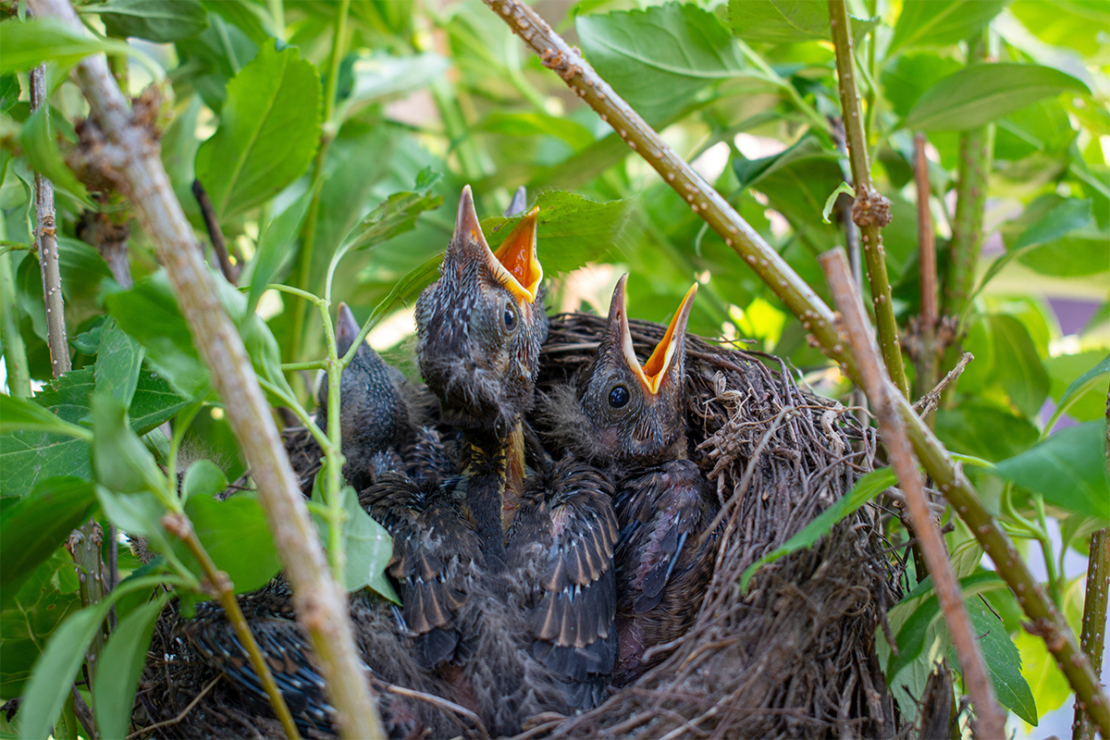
x=131, y=153
x=817, y=319
x=180, y=526
x=991, y=718
x=871, y=211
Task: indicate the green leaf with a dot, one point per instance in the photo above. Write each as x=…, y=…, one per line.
x=408, y=288
x=985, y=92
x=536, y=124
x=203, y=478
x=571, y=229
x=149, y=313
x=368, y=547
x=9, y=96
x=395, y=216
x=32, y=42
x=235, y=535
x=269, y=131
x=136, y=514
x=382, y=76
x=23, y=414
x=905, y=77
x=830, y=202
x=275, y=246
x=36, y=526
x=160, y=21
x=44, y=601
x=660, y=58
x=1017, y=365
x=265, y=355
x=1002, y=659
x=153, y=403
x=1086, y=385
x=984, y=431
x=787, y=21
x=941, y=22
x=118, y=362
x=120, y=459
x=57, y=666
x=41, y=150
x=1076, y=24
x=1047, y=683
x=865, y=489
x=911, y=636
x=55, y=670
x=121, y=664
x=1068, y=469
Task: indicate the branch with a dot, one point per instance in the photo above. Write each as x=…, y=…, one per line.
x=1093, y=636
x=130, y=153
x=926, y=330
x=180, y=526
x=971, y=198
x=85, y=541
x=871, y=211
x=231, y=274
x=992, y=720
x=817, y=319
x=46, y=238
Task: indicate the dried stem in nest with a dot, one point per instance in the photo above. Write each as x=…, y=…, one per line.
x=130, y=152
x=992, y=720
x=817, y=319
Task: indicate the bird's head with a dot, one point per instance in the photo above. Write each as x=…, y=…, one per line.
x=480, y=326
x=372, y=414
x=636, y=412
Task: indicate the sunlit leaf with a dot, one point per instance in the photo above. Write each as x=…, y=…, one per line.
x=787, y=21
x=941, y=22
x=160, y=21
x=985, y=92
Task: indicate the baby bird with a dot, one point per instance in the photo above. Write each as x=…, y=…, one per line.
x=630, y=419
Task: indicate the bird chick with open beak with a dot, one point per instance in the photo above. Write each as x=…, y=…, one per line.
x=479, y=331
x=630, y=418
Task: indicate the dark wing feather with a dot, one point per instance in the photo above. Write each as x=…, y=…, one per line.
x=435, y=551
x=664, y=557
x=563, y=540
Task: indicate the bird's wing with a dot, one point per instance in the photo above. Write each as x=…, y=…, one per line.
x=434, y=551
x=572, y=617
x=659, y=511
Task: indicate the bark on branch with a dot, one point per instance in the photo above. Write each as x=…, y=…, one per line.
x=132, y=153
x=991, y=718
x=817, y=319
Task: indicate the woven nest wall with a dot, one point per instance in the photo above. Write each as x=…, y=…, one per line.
x=793, y=657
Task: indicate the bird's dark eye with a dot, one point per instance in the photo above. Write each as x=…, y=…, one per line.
x=618, y=397
x=510, y=317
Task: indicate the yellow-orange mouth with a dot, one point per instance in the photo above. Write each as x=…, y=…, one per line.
x=518, y=260
x=652, y=372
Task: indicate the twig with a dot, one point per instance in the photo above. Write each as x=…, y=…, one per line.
x=926, y=348
x=931, y=400
x=439, y=703
x=47, y=242
x=212, y=223
x=992, y=720
x=817, y=319
x=871, y=211
x=180, y=526
x=83, y=713
x=1093, y=636
x=182, y=714
x=971, y=198
x=129, y=152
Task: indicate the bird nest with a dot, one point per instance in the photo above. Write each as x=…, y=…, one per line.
x=793, y=656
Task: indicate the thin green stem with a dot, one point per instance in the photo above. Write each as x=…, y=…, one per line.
x=303, y=272
x=277, y=12
x=310, y=297
x=1046, y=549
x=180, y=526
x=871, y=210
x=814, y=118
x=333, y=455
x=310, y=365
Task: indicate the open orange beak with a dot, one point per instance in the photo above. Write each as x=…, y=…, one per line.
x=652, y=372
x=515, y=263
x=517, y=256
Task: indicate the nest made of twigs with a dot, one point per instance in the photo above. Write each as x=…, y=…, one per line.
x=792, y=657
